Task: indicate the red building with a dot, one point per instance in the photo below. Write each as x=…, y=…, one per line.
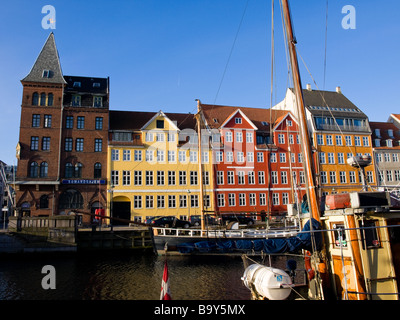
x=255, y=154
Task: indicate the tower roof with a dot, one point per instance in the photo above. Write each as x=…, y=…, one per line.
x=47, y=66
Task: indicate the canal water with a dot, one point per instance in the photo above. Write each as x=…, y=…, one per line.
x=122, y=276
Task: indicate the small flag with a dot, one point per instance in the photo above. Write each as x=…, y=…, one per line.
x=165, y=292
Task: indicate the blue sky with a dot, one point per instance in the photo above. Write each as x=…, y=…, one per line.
x=164, y=54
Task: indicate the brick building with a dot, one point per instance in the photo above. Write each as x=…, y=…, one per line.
x=62, y=148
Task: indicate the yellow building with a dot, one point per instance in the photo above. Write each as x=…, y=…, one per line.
x=153, y=166
x=339, y=130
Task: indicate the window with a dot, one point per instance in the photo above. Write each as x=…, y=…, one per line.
x=324, y=179
x=251, y=177
x=228, y=136
x=238, y=120
x=97, y=102
x=149, y=178
x=69, y=170
x=50, y=99
x=284, y=177
x=395, y=157
x=322, y=159
x=261, y=177
x=160, y=202
x=206, y=178
x=342, y=177
x=46, y=143
x=138, y=155
x=341, y=158
x=137, y=178
x=249, y=137
x=339, y=141
x=250, y=156
x=352, y=176
x=206, y=201
x=366, y=141
x=221, y=200
x=35, y=120
x=231, y=199
x=357, y=141
x=348, y=140
x=43, y=99
x=239, y=156
x=220, y=177
x=275, y=199
x=137, y=202
x=44, y=202
x=126, y=155
x=285, y=198
x=80, y=122
x=389, y=176
x=282, y=157
x=182, y=178
x=231, y=177
x=193, y=156
x=291, y=139
x=149, y=155
x=171, y=137
x=252, y=199
x=239, y=136
x=79, y=144
x=34, y=143
x=47, y=121
x=171, y=178
x=331, y=158
x=182, y=201
x=242, y=199
x=33, y=170
x=44, y=167
x=149, y=202
x=76, y=101
x=98, y=145
x=160, y=137
x=182, y=156
x=339, y=236
x=149, y=137
x=204, y=157
x=78, y=170
x=260, y=157
x=97, y=170
x=35, y=99
x=229, y=156
x=193, y=178
x=273, y=157
x=263, y=198
x=160, y=178
x=274, y=177
x=160, y=124
x=329, y=140
x=76, y=84
x=302, y=178
x=389, y=143
x=171, y=156
x=160, y=156
x=369, y=235
x=115, y=177
x=114, y=155
x=126, y=178
x=69, y=122
x=71, y=199
x=332, y=176
x=281, y=138
x=320, y=139
x=241, y=177
x=194, y=200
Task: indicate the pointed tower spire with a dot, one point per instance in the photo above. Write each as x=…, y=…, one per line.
x=47, y=67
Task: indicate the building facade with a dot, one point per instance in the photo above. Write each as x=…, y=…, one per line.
x=62, y=148
x=338, y=131
x=154, y=166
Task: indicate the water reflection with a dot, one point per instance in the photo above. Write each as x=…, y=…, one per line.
x=122, y=276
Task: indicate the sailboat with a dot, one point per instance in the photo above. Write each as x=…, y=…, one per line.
x=358, y=257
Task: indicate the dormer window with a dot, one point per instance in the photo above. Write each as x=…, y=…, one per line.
x=76, y=84
x=96, y=85
x=97, y=102
x=265, y=123
x=377, y=142
x=46, y=74
x=215, y=120
x=76, y=101
x=390, y=133
x=389, y=143
x=378, y=133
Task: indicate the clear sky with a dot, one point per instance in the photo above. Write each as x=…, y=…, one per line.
x=164, y=54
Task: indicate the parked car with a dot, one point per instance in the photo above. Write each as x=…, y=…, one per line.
x=170, y=222
x=149, y=220
x=209, y=220
x=227, y=218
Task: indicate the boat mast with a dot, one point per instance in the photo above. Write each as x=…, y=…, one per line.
x=305, y=139
x=199, y=159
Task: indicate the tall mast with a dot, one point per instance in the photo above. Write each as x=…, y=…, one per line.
x=305, y=139
x=199, y=159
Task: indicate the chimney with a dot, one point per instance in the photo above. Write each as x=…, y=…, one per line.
x=338, y=90
x=309, y=87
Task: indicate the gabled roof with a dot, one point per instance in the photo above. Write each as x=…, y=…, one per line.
x=384, y=135
x=48, y=60
x=216, y=115
x=136, y=120
x=160, y=113
x=242, y=114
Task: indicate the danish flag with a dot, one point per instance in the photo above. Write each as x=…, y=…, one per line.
x=165, y=292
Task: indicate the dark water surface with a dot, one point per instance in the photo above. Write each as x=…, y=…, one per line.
x=122, y=276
